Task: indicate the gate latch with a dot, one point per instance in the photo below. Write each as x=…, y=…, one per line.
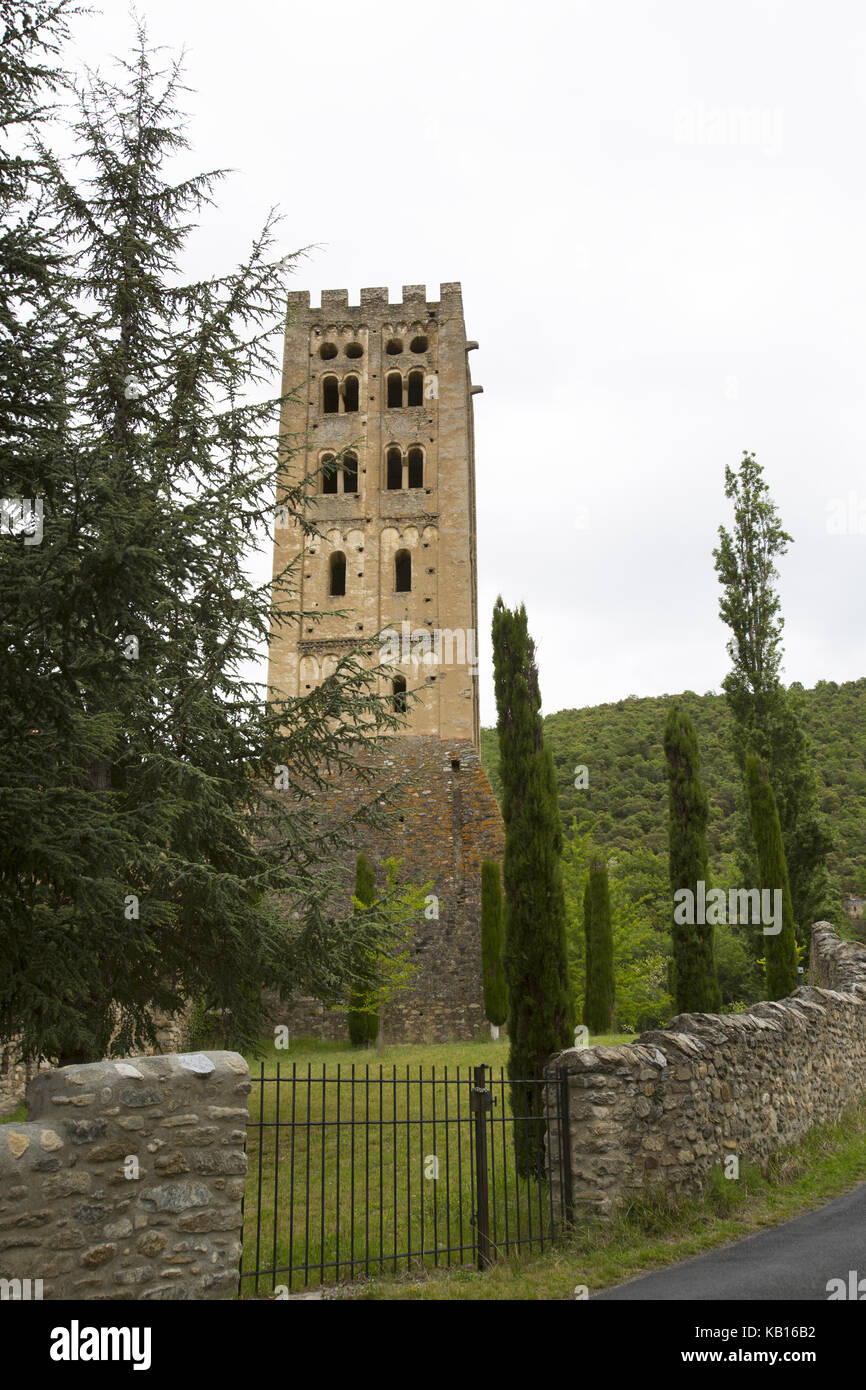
x=480, y=1098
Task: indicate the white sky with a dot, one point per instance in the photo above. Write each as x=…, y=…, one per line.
x=657, y=210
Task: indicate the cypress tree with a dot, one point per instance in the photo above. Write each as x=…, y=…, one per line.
x=696, y=988
x=587, y=939
x=492, y=942
x=363, y=1023
x=781, y=949
x=600, y=996
x=540, y=1006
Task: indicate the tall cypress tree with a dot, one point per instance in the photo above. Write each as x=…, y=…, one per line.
x=587, y=941
x=600, y=1000
x=781, y=948
x=492, y=944
x=541, y=1009
x=363, y=1022
x=696, y=988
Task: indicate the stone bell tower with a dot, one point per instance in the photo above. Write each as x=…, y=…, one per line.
x=382, y=412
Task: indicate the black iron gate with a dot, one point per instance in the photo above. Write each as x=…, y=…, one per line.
x=358, y=1171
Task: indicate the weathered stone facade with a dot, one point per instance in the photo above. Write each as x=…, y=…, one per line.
x=666, y=1110
x=423, y=506
x=387, y=387
x=126, y=1181
x=446, y=822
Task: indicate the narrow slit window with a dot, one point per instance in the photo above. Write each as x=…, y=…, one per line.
x=329, y=474
x=338, y=574
x=350, y=393
x=416, y=468
x=350, y=473
x=403, y=572
x=416, y=388
x=398, y=690
x=395, y=470
x=395, y=390
x=330, y=395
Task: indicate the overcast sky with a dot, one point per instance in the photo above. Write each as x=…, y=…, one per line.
x=658, y=215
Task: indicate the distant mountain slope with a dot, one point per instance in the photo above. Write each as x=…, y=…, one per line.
x=621, y=746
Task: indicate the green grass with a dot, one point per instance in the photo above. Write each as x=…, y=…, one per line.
x=652, y=1234
x=367, y=1190
x=19, y=1113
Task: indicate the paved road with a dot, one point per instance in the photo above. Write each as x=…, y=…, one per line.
x=793, y=1261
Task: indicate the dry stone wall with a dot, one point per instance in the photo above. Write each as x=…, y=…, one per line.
x=126, y=1181
x=663, y=1112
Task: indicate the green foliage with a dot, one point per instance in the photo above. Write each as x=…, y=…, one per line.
x=767, y=719
x=641, y=950
x=492, y=944
x=781, y=949
x=694, y=980
x=158, y=826
x=540, y=1018
x=626, y=799
x=381, y=975
x=363, y=1023
x=598, y=1006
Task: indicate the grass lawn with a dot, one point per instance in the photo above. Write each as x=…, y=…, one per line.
x=342, y=1155
x=829, y=1161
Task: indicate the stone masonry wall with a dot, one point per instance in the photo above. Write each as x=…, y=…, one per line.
x=74, y=1214
x=666, y=1110
x=446, y=823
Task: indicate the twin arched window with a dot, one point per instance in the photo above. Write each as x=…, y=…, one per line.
x=337, y=395
x=414, y=389
x=339, y=477
x=395, y=464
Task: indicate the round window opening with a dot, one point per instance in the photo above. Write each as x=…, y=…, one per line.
x=354, y=350
x=328, y=350
x=394, y=347
x=419, y=344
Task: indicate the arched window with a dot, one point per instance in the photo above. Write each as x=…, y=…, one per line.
x=329, y=473
x=337, y=574
x=330, y=395
x=403, y=572
x=416, y=467
x=416, y=388
x=394, y=480
x=350, y=473
x=350, y=393
x=395, y=390
x=398, y=689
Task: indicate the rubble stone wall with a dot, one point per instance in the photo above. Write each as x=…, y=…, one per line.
x=664, y=1111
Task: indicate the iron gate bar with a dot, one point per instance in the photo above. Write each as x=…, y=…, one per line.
x=479, y=1096
x=488, y=1238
